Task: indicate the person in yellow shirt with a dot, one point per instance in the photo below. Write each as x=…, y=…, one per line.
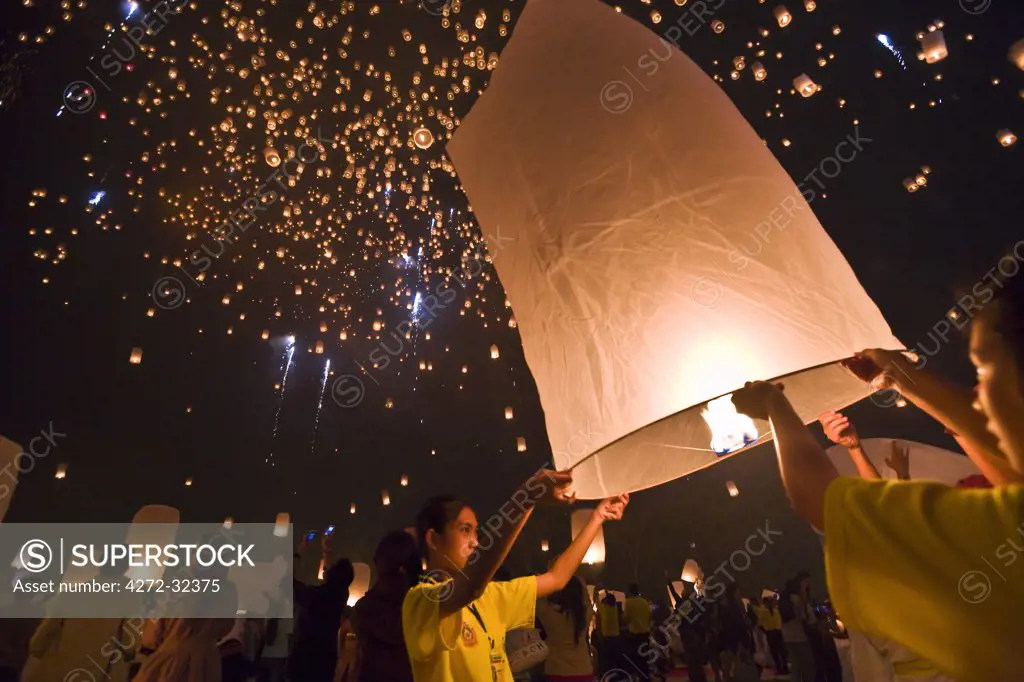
x=454, y=622
x=637, y=614
x=609, y=621
x=933, y=567
x=770, y=620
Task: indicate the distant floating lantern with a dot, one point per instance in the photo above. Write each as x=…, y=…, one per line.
x=150, y=312
x=136, y=356
x=804, y=85
x=544, y=546
x=521, y=444
x=265, y=335
x=281, y=525
x=319, y=347
x=783, y=16
x=298, y=290
x=596, y=553
x=691, y=571
x=1017, y=54
x=495, y=353
x=910, y=185
x=228, y=522
x=188, y=482
x=921, y=180
x=389, y=403
x=62, y=471
x=271, y=156
x=927, y=170
x=760, y=73
x=739, y=63
x=1007, y=138
x=508, y=413
x=423, y=138
x=465, y=369
x=360, y=583
x=385, y=498
x=810, y=5
x=718, y=26
x=352, y=508
x=901, y=402
x=733, y=490
x=933, y=46
x=405, y=481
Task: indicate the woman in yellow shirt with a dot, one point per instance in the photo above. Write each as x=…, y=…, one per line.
x=933, y=567
x=455, y=621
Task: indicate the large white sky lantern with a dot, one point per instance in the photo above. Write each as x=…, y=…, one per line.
x=596, y=553
x=656, y=253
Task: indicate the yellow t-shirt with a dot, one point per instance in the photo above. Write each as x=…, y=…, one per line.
x=768, y=620
x=638, y=615
x=935, y=568
x=456, y=648
x=608, y=619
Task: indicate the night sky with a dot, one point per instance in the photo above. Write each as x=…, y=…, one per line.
x=132, y=441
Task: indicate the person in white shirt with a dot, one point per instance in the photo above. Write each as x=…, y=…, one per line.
x=565, y=617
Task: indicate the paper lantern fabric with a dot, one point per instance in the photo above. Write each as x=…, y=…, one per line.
x=360, y=583
x=596, y=553
x=927, y=462
x=638, y=250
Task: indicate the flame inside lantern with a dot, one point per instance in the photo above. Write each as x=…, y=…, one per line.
x=730, y=430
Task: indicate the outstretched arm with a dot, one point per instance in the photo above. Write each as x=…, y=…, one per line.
x=564, y=567
x=949, y=404
x=840, y=430
x=469, y=584
x=806, y=469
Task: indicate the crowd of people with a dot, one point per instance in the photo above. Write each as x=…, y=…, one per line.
x=898, y=557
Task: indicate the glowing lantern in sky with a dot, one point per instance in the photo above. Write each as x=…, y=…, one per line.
x=1017, y=54
x=265, y=335
x=229, y=522
x=933, y=46
x=521, y=444
x=810, y=5
x=804, y=85
x=271, y=156
x=718, y=26
x=281, y=525
x=596, y=553
x=783, y=16
x=747, y=284
x=352, y=508
x=405, y=481
x=508, y=413
x=385, y=498
x=1007, y=138
x=760, y=73
x=360, y=583
x=911, y=185
x=691, y=571
x=319, y=347
x=62, y=471
x=544, y=546
x=423, y=138
x=733, y=490
x=136, y=357
x=495, y=353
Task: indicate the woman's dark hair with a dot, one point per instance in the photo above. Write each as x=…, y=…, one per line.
x=397, y=552
x=1007, y=313
x=435, y=514
x=570, y=600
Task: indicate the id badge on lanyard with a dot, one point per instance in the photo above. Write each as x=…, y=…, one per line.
x=497, y=660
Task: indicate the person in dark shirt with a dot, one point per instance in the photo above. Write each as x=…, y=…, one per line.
x=378, y=615
x=315, y=652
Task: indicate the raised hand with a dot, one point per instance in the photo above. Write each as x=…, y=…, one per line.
x=551, y=487
x=840, y=430
x=899, y=461
x=611, y=509
x=752, y=399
